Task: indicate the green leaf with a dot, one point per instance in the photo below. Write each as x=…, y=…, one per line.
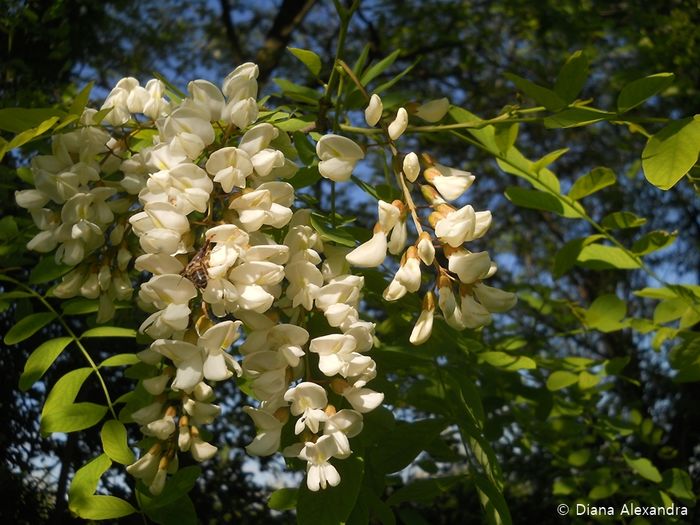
x=85, y=481
x=576, y=117
x=80, y=306
x=178, y=512
x=620, y=220
x=115, y=443
x=47, y=270
x=377, y=69
x=81, y=500
x=17, y=120
x=572, y=77
x=333, y=505
x=381, y=88
x=534, y=199
x=399, y=446
x=600, y=257
x=587, y=380
x=41, y=360
x=298, y=92
x=507, y=362
x=120, y=360
x=102, y=508
x=337, y=235
x=77, y=416
x=566, y=257
x=81, y=100
x=677, y=483
x=548, y=159
x=293, y=124
x=283, y=499
x=542, y=95
x=305, y=177
x=30, y=134
x=66, y=389
x=506, y=135
x=310, y=59
x=561, y=379
x=606, y=313
x=636, y=92
x=492, y=501
x=423, y=490
x=653, y=241
x=596, y=180
x=579, y=458
x=670, y=153
x=27, y=327
x=644, y=468
x=361, y=60
x=108, y=331
x=304, y=147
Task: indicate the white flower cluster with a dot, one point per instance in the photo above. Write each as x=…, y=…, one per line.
x=203, y=197
x=194, y=187
x=80, y=215
x=240, y=272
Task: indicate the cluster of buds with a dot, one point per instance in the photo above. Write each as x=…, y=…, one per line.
x=464, y=300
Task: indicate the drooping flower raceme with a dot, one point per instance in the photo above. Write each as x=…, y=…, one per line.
x=189, y=201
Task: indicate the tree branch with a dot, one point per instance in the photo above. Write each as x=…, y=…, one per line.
x=290, y=15
x=227, y=19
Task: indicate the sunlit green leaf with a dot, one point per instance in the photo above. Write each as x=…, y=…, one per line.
x=508, y=362
x=283, y=499
x=601, y=257
x=637, y=91
x=621, y=220
x=310, y=59
x=644, y=468
x=670, y=153
x=572, y=76
x=606, y=313
x=41, y=359
x=108, y=331
x=561, y=379
x=114, y=442
x=27, y=327
x=596, y=180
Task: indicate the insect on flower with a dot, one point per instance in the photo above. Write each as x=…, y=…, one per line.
x=196, y=269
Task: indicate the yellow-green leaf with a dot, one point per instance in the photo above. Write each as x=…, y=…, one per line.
x=41, y=360
x=561, y=379
x=310, y=59
x=115, y=443
x=596, y=180
x=27, y=327
x=637, y=91
x=670, y=153
x=644, y=468
x=601, y=257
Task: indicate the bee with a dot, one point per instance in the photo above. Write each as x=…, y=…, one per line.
x=196, y=269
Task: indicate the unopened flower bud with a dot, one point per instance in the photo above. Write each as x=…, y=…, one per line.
x=374, y=110
x=411, y=166
x=399, y=125
x=426, y=250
